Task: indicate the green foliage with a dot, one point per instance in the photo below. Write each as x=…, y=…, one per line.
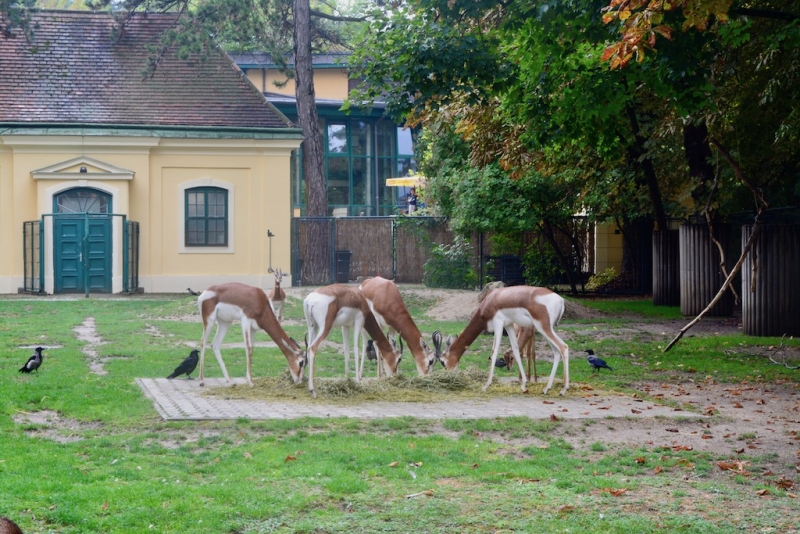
x=601, y=279
x=541, y=267
x=450, y=267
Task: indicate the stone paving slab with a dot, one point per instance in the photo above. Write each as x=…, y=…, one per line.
x=183, y=399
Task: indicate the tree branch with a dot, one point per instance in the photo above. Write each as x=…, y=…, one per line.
x=337, y=18
x=762, y=206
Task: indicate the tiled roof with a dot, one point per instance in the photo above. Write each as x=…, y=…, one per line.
x=73, y=73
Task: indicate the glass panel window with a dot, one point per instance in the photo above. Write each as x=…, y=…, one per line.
x=362, y=137
x=338, y=182
x=387, y=147
x=206, y=217
x=82, y=201
x=362, y=181
x=405, y=146
x=337, y=139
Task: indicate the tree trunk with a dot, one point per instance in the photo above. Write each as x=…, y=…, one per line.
x=646, y=164
x=698, y=156
x=313, y=162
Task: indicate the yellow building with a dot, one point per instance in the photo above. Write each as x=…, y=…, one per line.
x=113, y=180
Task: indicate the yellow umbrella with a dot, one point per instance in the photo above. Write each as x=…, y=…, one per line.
x=407, y=181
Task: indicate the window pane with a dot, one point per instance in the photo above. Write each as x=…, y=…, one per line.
x=404, y=144
x=337, y=139
x=206, y=216
x=362, y=136
x=386, y=144
x=338, y=181
x=362, y=181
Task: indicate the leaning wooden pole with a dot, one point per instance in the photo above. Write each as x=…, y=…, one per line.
x=762, y=205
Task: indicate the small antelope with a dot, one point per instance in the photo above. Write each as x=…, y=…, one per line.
x=340, y=305
x=277, y=296
x=224, y=303
x=501, y=309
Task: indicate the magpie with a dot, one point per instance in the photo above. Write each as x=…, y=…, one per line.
x=596, y=362
x=33, y=362
x=186, y=366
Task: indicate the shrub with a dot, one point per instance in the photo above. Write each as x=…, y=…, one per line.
x=449, y=267
x=601, y=279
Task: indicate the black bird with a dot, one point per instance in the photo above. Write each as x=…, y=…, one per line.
x=193, y=293
x=33, y=362
x=371, y=354
x=596, y=362
x=187, y=366
x=499, y=362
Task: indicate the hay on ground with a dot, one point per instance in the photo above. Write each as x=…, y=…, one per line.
x=440, y=385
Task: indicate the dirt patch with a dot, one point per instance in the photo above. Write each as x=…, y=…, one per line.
x=49, y=424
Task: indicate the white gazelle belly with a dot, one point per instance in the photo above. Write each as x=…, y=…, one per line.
x=229, y=312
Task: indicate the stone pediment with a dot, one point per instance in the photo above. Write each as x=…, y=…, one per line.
x=84, y=168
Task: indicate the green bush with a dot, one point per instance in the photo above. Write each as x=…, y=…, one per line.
x=449, y=267
x=541, y=267
x=601, y=279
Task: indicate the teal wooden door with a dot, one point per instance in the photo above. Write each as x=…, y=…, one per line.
x=82, y=242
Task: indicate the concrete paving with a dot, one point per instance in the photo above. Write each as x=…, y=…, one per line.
x=182, y=399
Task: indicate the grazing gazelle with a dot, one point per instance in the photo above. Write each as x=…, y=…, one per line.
x=277, y=296
x=501, y=309
x=340, y=305
x=390, y=311
x=224, y=303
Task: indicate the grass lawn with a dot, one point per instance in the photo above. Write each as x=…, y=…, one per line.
x=105, y=462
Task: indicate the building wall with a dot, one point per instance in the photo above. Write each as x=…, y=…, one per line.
x=608, y=248
x=328, y=83
x=257, y=171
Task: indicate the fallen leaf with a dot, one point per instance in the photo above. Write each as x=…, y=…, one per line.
x=474, y=466
x=290, y=458
x=737, y=405
x=785, y=484
x=105, y=506
x=616, y=492
x=247, y=455
x=656, y=469
x=761, y=402
x=394, y=464
x=671, y=429
x=791, y=495
x=678, y=448
x=566, y=508
x=548, y=402
x=707, y=436
x=640, y=460
x=553, y=417
x=633, y=410
x=762, y=492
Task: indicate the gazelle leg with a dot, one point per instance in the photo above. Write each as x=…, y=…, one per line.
x=222, y=329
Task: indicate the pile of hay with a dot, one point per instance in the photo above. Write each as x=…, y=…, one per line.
x=438, y=386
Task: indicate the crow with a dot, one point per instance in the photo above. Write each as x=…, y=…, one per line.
x=192, y=293
x=596, y=362
x=499, y=362
x=370, y=352
x=33, y=362
x=186, y=366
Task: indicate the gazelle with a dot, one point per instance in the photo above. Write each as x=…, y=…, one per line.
x=277, y=296
x=224, y=303
x=340, y=305
x=501, y=309
x=526, y=340
x=390, y=311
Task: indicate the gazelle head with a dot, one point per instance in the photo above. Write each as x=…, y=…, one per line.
x=443, y=354
x=430, y=353
x=297, y=362
x=391, y=361
x=278, y=277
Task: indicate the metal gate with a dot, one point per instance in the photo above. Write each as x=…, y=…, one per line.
x=34, y=254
